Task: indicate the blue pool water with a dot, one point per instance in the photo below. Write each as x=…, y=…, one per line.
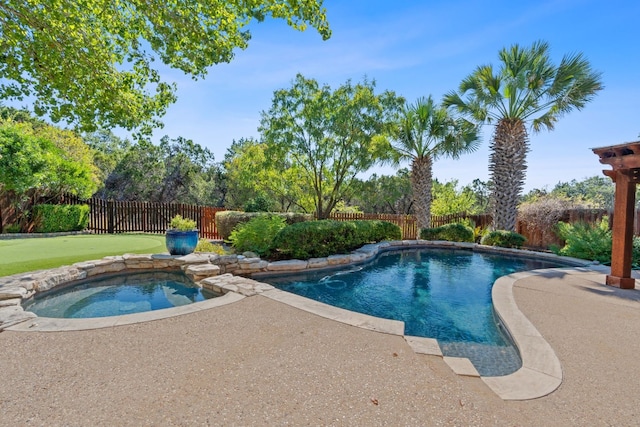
x=119, y=294
x=439, y=293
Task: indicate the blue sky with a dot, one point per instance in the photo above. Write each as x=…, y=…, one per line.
x=417, y=48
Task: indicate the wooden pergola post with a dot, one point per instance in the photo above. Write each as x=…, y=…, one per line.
x=621, y=252
x=625, y=160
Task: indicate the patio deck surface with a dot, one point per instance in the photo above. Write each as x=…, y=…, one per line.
x=260, y=362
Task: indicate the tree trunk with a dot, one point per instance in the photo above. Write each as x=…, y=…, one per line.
x=421, y=182
x=507, y=165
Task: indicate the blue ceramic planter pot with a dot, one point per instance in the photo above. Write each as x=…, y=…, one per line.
x=181, y=242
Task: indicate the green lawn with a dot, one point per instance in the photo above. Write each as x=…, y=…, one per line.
x=21, y=255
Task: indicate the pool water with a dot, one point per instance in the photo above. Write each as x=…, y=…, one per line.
x=119, y=294
x=439, y=293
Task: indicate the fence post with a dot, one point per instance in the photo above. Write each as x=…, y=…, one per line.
x=110, y=217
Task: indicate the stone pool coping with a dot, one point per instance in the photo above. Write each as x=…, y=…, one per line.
x=541, y=370
x=540, y=374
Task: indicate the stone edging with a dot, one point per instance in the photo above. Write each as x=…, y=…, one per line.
x=541, y=371
x=12, y=236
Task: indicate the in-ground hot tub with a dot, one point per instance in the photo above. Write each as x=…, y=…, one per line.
x=115, y=295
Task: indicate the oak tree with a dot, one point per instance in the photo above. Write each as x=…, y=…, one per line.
x=330, y=135
x=91, y=62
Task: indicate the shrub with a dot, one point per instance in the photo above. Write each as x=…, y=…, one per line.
x=182, y=224
x=59, y=218
x=227, y=221
x=385, y=230
x=315, y=239
x=257, y=234
x=206, y=246
x=12, y=228
x=368, y=231
x=455, y=232
x=585, y=241
x=543, y=213
x=635, y=257
x=479, y=233
x=592, y=242
x=503, y=238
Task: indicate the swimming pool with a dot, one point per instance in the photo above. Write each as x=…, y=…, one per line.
x=439, y=293
x=120, y=294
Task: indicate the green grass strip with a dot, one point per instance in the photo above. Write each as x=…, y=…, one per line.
x=23, y=255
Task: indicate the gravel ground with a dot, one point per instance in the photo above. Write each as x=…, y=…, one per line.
x=259, y=362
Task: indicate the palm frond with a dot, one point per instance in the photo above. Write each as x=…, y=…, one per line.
x=426, y=130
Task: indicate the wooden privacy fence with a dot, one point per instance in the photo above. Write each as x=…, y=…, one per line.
x=482, y=221
x=536, y=238
x=407, y=223
x=110, y=216
x=543, y=238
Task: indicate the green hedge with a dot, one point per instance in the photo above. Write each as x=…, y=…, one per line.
x=58, y=218
x=452, y=232
x=257, y=235
x=315, y=239
x=377, y=231
x=503, y=238
x=227, y=221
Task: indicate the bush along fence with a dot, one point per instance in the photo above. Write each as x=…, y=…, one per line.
x=537, y=238
x=111, y=216
x=542, y=237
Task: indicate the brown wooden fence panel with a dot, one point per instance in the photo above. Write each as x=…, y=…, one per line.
x=408, y=224
x=110, y=216
x=8, y=214
x=542, y=239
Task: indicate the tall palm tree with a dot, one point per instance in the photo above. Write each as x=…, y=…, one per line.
x=426, y=132
x=527, y=89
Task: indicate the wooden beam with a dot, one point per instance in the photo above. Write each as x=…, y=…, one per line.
x=612, y=150
x=630, y=161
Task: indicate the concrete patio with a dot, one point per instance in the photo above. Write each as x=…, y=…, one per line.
x=258, y=361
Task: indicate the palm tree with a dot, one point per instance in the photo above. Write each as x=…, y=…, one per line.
x=526, y=89
x=426, y=132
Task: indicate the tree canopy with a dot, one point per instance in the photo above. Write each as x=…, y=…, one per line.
x=449, y=200
x=330, y=135
x=595, y=192
x=255, y=177
x=91, y=63
x=383, y=193
x=176, y=170
x=39, y=162
x=44, y=160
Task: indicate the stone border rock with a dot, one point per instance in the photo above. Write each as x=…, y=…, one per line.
x=539, y=375
x=369, y=252
x=541, y=371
